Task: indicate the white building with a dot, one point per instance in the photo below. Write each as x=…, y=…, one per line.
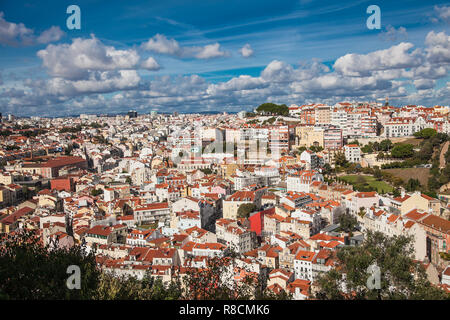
x=352, y=153
x=301, y=181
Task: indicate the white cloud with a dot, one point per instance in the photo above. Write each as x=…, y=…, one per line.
x=246, y=51
x=150, y=64
x=442, y=13
x=50, y=35
x=422, y=84
x=438, y=50
x=278, y=71
x=392, y=34
x=75, y=61
x=243, y=82
x=15, y=34
x=88, y=68
x=210, y=51
x=108, y=82
x=396, y=57
x=161, y=44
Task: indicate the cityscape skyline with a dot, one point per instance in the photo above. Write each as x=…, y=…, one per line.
x=213, y=57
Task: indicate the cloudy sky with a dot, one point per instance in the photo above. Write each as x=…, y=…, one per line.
x=213, y=55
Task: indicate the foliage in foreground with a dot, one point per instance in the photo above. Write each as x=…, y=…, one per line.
x=401, y=276
x=29, y=270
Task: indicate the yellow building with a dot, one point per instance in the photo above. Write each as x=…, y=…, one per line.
x=406, y=203
x=441, y=110
x=227, y=170
x=5, y=196
x=308, y=136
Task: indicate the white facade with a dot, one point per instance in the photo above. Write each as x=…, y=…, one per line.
x=352, y=153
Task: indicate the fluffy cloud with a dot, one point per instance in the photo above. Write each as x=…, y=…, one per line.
x=422, y=84
x=396, y=57
x=75, y=61
x=161, y=44
x=210, y=51
x=83, y=72
x=246, y=51
x=442, y=13
x=336, y=85
x=150, y=64
x=438, y=50
x=392, y=34
x=51, y=35
x=15, y=34
x=243, y=82
x=279, y=71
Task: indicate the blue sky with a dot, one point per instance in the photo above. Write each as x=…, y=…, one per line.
x=219, y=55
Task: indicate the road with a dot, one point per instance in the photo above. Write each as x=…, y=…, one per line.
x=442, y=155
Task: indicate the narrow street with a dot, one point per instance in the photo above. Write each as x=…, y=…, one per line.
x=442, y=155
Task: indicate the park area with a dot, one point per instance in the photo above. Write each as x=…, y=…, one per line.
x=422, y=174
x=367, y=183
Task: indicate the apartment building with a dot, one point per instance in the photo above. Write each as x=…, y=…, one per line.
x=352, y=153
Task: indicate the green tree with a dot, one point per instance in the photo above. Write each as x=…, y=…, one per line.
x=128, y=180
x=376, y=146
x=96, y=192
x=367, y=148
x=412, y=185
x=402, y=151
x=68, y=150
x=339, y=159
x=401, y=277
x=206, y=171
x=425, y=133
x=216, y=283
x=377, y=174
x=385, y=145
x=112, y=287
x=347, y=222
x=426, y=151
x=273, y=108
x=245, y=209
x=316, y=148
x=29, y=270
x=301, y=149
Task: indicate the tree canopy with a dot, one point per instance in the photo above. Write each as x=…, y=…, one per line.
x=245, y=209
x=401, y=277
x=425, y=133
x=29, y=270
x=347, y=222
x=402, y=151
x=273, y=108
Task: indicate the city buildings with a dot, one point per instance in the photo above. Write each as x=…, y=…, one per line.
x=152, y=192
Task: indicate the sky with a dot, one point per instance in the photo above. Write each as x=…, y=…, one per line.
x=214, y=55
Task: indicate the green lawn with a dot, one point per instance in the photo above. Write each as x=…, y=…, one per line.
x=370, y=181
x=148, y=226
